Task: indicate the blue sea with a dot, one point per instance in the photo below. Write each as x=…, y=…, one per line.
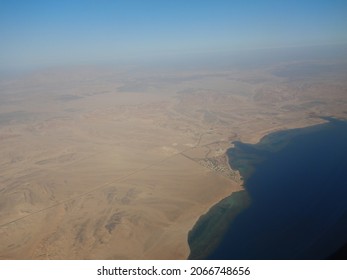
x=297, y=183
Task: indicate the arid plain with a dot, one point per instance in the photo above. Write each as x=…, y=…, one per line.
x=112, y=163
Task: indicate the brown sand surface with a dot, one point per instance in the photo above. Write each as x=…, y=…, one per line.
x=97, y=163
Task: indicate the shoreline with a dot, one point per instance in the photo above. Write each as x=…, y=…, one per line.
x=204, y=232
x=231, y=196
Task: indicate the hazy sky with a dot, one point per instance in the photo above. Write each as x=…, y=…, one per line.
x=87, y=31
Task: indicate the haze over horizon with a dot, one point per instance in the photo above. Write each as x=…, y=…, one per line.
x=116, y=118
x=48, y=33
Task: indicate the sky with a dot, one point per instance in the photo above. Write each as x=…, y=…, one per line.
x=34, y=33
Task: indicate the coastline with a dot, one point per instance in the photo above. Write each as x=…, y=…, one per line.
x=229, y=204
x=214, y=223
x=203, y=234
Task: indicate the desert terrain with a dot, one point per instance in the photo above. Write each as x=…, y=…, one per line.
x=117, y=163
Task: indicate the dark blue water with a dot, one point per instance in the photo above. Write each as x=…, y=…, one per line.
x=297, y=182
